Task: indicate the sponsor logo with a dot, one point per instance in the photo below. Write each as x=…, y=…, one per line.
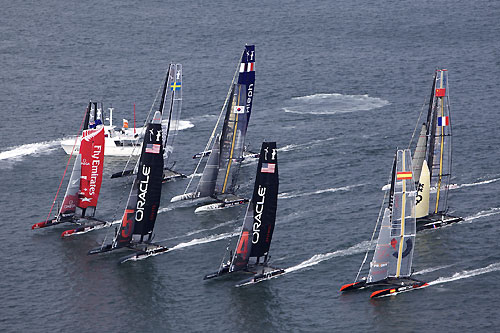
x=249, y=97
x=95, y=169
x=143, y=190
x=257, y=219
x=127, y=224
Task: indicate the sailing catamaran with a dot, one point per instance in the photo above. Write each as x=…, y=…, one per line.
x=136, y=228
x=258, y=225
x=391, y=264
x=432, y=159
x=171, y=100
x=219, y=179
x=80, y=201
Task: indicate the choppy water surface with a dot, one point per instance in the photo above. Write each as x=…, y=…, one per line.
x=339, y=86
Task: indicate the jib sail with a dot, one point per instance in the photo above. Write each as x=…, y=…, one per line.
x=258, y=226
x=144, y=199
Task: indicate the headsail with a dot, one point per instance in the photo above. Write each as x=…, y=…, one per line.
x=144, y=199
x=258, y=226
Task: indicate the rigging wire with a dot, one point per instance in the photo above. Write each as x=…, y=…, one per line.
x=212, y=136
x=66, y=169
x=417, y=123
x=119, y=205
x=374, y=231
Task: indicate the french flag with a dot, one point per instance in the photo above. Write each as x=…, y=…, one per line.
x=247, y=67
x=443, y=121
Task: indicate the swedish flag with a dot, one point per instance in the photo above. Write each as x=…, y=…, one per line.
x=174, y=86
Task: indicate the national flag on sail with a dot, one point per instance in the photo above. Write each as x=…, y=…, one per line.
x=153, y=148
x=238, y=109
x=443, y=121
x=247, y=67
x=174, y=86
x=440, y=92
x=404, y=175
x=268, y=167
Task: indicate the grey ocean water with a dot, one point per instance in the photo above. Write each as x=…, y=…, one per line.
x=340, y=85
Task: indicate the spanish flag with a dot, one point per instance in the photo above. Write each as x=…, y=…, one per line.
x=404, y=175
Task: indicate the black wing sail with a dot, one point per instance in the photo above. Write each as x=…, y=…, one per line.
x=265, y=200
x=258, y=226
x=144, y=199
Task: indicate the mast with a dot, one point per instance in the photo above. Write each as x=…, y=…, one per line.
x=144, y=198
x=260, y=218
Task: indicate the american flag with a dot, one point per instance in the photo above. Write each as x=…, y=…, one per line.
x=268, y=167
x=153, y=148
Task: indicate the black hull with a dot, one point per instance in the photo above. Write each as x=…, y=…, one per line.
x=266, y=273
x=435, y=221
x=223, y=271
x=404, y=286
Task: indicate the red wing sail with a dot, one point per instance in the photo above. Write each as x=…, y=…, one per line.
x=92, y=159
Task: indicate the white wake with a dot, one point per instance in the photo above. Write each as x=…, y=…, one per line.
x=317, y=258
x=306, y=145
x=286, y=195
x=329, y=104
x=467, y=274
x=483, y=213
x=18, y=152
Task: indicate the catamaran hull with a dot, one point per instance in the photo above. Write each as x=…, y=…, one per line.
x=436, y=221
x=186, y=196
x=150, y=251
x=273, y=272
x=87, y=228
x=220, y=205
x=397, y=290
x=143, y=251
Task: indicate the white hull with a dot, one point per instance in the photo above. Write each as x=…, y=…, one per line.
x=187, y=196
x=219, y=206
x=110, y=148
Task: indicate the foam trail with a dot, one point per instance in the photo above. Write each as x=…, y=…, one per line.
x=454, y=186
x=483, y=213
x=479, y=183
x=18, y=152
x=304, y=145
x=208, y=239
x=286, y=195
x=185, y=124
x=467, y=274
x=195, y=175
x=432, y=269
x=329, y=104
x=317, y=258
